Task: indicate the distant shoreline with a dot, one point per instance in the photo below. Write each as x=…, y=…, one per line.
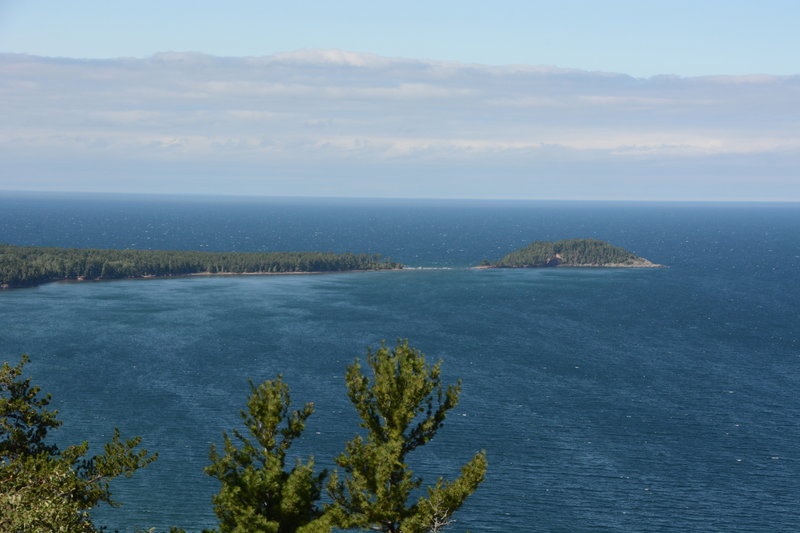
x=577, y=253
x=25, y=266
x=30, y=266
x=563, y=265
x=314, y=272
x=7, y=286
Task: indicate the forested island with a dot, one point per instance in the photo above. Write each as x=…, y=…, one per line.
x=24, y=266
x=571, y=253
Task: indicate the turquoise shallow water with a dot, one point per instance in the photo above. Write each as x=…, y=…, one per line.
x=607, y=400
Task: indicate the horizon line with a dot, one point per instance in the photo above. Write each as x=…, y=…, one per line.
x=421, y=198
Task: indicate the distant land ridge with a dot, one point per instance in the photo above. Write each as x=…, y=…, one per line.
x=24, y=266
x=571, y=253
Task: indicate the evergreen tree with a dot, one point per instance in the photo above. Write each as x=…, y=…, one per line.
x=571, y=252
x=258, y=494
x=42, y=488
x=401, y=405
x=22, y=266
x=24, y=417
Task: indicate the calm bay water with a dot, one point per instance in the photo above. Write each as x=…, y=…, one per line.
x=607, y=400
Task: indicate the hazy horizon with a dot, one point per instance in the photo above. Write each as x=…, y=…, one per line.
x=521, y=100
x=291, y=198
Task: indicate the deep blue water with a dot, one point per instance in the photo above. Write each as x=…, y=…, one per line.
x=607, y=400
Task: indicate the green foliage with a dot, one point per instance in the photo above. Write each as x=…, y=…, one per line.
x=258, y=494
x=401, y=402
x=24, y=417
x=34, y=496
x=573, y=252
x=42, y=488
x=23, y=266
x=401, y=405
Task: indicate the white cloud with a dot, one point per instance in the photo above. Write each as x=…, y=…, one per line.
x=303, y=109
x=747, y=78
x=643, y=101
x=332, y=57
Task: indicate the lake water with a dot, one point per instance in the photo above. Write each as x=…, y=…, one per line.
x=607, y=400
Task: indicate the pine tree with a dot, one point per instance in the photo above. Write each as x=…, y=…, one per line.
x=401, y=405
x=24, y=416
x=258, y=495
x=42, y=488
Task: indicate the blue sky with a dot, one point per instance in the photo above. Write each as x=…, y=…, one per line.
x=510, y=99
x=636, y=37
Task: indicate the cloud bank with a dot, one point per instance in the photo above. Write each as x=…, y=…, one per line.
x=330, y=122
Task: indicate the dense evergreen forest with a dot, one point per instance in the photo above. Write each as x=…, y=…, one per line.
x=572, y=252
x=31, y=265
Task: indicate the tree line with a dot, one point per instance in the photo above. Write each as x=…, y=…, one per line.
x=31, y=265
x=398, y=396
x=572, y=252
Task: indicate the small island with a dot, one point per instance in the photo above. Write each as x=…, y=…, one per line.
x=25, y=266
x=571, y=253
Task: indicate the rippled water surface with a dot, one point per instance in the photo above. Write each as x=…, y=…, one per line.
x=607, y=400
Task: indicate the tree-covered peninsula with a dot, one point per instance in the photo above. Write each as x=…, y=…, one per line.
x=22, y=266
x=571, y=253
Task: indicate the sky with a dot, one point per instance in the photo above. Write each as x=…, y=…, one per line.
x=624, y=100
